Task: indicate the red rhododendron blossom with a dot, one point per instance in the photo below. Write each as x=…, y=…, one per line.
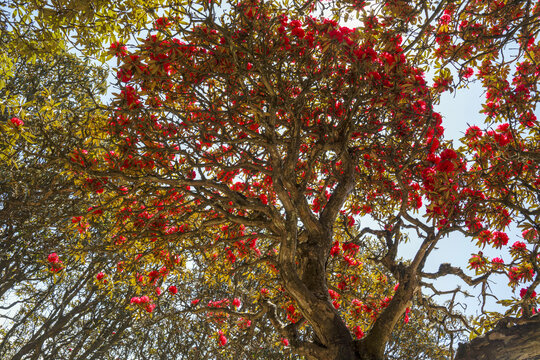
x=16, y=121
x=448, y=154
x=503, y=127
x=124, y=75
x=523, y=291
x=519, y=246
x=468, y=72
x=497, y=262
x=135, y=300
x=236, y=302
x=476, y=262
x=473, y=133
x=53, y=258
x=130, y=95
x=335, y=249
x=528, y=119
x=445, y=166
x=222, y=339
x=445, y=19
x=285, y=342
x=150, y=307
x=174, y=290
x=244, y=323
x=162, y=23
x=358, y=332
x=118, y=49
x=484, y=237
x=406, y=318
x=522, y=273
x=100, y=276
x=333, y=294
x=499, y=239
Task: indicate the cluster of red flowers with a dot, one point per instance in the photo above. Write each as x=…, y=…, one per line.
x=16, y=121
x=144, y=302
x=55, y=262
x=221, y=338
x=523, y=292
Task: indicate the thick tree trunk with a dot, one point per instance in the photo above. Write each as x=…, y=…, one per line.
x=518, y=342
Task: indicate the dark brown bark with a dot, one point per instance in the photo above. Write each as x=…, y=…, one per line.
x=506, y=342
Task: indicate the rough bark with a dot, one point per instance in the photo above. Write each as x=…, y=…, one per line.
x=517, y=342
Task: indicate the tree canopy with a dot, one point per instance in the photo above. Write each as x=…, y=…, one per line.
x=245, y=189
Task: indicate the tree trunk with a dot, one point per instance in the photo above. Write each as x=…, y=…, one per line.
x=518, y=342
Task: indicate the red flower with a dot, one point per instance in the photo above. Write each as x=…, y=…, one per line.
x=124, y=75
x=335, y=249
x=333, y=294
x=503, y=127
x=53, y=258
x=236, y=302
x=222, y=339
x=130, y=95
x=523, y=291
x=173, y=289
x=448, y=154
x=445, y=166
x=118, y=49
x=162, y=23
x=476, y=262
x=497, y=263
x=473, y=133
x=285, y=342
x=135, y=300
x=445, y=19
x=406, y=319
x=299, y=32
x=16, y=121
x=468, y=72
x=100, y=276
x=358, y=332
x=499, y=239
x=484, y=237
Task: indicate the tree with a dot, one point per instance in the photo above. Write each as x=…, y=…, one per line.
x=283, y=158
